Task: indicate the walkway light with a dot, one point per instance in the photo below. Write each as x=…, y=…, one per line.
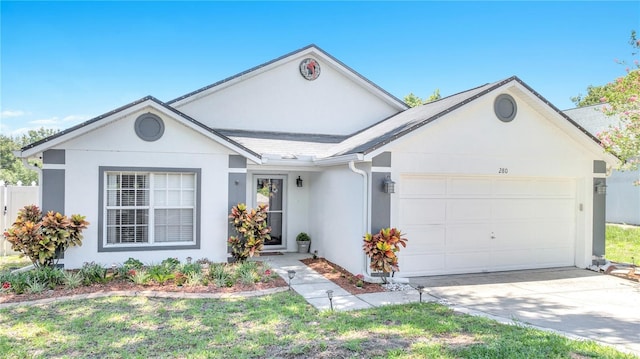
x=291, y=274
x=330, y=295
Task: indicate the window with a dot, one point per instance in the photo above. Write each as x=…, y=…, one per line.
x=149, y=208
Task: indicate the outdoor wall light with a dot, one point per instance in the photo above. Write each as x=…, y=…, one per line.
x=189, y=260
x=600, y=188
x=330, y=296
x=299, y=182
x=388, y=185
x=291, y=274
x=420, y=289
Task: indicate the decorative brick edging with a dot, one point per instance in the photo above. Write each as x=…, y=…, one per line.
x=147, y=294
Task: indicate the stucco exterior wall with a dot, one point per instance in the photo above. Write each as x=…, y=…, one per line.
x=282, y=100
x=336, y=216
x=116, y=144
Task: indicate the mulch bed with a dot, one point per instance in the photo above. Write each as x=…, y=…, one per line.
x=341, y=276
x=120, y=285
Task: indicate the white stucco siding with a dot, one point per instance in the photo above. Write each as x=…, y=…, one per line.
x=282, y=100
x=336, y=216
x=520, y=178
x=116, y=145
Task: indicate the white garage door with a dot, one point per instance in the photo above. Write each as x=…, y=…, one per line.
x=483, y=224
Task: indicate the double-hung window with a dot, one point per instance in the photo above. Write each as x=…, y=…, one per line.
x=144, y=208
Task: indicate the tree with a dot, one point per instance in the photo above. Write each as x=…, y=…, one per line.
x=596, y=93
x=620, y=98
x=413, y=100
x=12, y=169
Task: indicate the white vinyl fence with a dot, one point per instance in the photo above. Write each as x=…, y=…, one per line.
x=12, y=199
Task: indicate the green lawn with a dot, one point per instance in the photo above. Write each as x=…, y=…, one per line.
x=623, y=244
x=281, y=325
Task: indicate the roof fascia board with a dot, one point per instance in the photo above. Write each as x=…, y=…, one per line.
x=81, y=129
x=126, y=110
x=383, y=144
x=339, y=160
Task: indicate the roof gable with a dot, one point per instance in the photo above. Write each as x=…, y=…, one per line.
x=373, y=140
x=311, y=49
x=276, y=97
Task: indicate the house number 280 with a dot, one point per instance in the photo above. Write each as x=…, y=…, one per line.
x=503, y=170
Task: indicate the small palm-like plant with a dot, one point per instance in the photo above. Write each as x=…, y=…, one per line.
x=382, y=247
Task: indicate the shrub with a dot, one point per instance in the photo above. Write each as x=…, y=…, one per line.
x=191, y=268
x=93, y=273
x=220, y=275
x=35, y=286
x=50, y=277
x=132, y=263
x=381, y=249
x=140, y=276
x=43, y=238
x=72, y=279
x=247, y=272
x=160, y=273
x=194, y=279
x=252, y=230
x=171, y=263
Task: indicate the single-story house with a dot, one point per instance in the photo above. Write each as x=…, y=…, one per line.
x=623, y=197
x=493, y=178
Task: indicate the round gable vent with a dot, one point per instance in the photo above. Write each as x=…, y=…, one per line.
x=505, y=108
x=149, y=127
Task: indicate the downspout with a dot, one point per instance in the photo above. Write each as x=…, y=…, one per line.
x=365, y=212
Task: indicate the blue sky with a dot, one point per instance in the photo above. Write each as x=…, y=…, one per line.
x=65, y=62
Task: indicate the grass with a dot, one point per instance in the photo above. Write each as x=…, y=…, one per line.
x=13, y=262
x=623, y=244
x=282, y=325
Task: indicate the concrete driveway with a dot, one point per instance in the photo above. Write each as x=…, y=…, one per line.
x=571, y=300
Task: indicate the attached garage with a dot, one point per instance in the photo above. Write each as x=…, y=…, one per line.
x=464, y=224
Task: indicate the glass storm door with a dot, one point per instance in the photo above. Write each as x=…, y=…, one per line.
x=270, y=191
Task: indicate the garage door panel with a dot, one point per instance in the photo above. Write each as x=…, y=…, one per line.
x=554, y=233
x=477, y=224
x=554, y=208
x=425, y=263
x=468, y=209
x=468, y=237
x=469, y=187
x=554, y=257
x=512, y=208
x=421, y=211
x=514, y=235
x=513, y=259
x=476, y=261
x=511, y=188
x=425, y=239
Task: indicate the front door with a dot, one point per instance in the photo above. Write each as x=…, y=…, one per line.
x=270, y=190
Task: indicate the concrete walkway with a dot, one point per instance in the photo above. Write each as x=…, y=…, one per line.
x=313, y=287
